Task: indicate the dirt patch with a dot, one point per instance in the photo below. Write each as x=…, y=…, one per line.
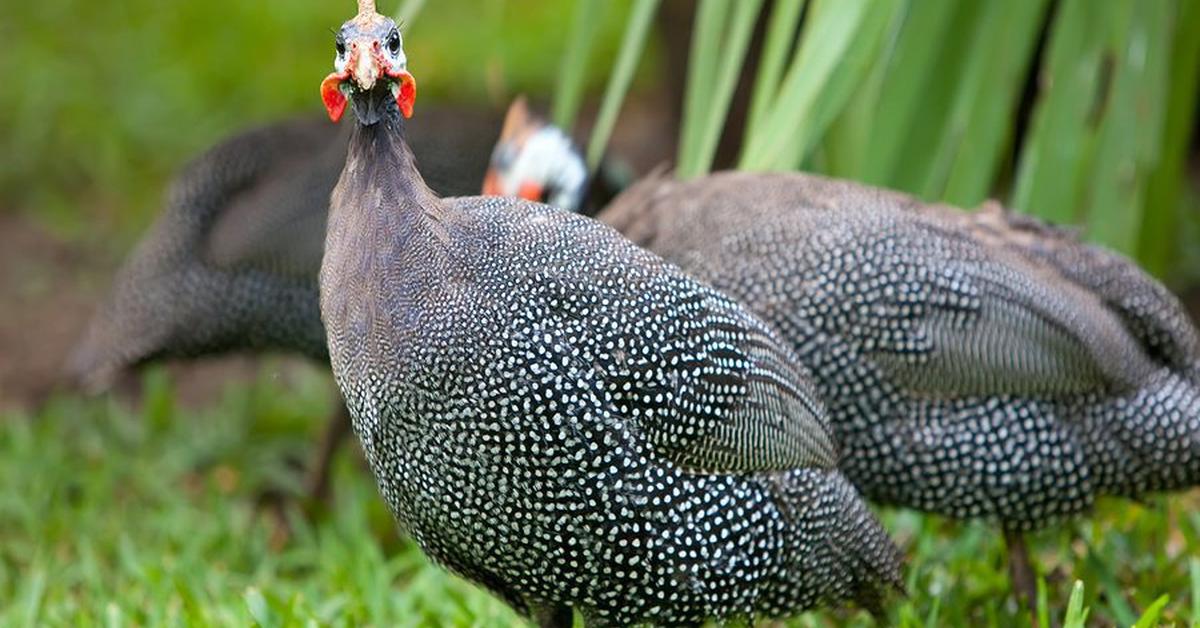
x=48, y=289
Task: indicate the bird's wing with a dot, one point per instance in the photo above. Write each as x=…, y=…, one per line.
x=1149, y=311
x=915, y=290
x=946, y=315
x=706, y=384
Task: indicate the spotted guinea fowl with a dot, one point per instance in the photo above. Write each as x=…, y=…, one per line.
x=536, y=160
x=974, y=364
x=561, y=416
x=232, y=262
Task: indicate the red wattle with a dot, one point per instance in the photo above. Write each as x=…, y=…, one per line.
x=332, y=96
x=407, y=96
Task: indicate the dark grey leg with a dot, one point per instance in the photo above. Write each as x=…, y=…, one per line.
x=337, y=429
x=1020, y=573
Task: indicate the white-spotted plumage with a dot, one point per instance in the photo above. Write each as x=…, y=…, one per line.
x=975, y=365
x=570, y=421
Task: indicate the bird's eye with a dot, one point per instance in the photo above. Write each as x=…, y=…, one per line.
x=339, y=44
x=394, y=42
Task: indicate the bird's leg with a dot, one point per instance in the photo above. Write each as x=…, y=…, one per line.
x=1020, y=572
x=316, y=483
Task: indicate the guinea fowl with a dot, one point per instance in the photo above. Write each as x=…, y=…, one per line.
x=561, y=416
x=537, y=161
x=976, y=365
x=232, y=262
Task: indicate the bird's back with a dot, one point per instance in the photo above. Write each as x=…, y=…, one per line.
x=973, y=366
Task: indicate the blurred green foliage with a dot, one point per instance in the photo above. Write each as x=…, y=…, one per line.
x=928, y=96
x=104, y=100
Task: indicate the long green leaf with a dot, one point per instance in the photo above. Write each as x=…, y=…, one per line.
x=1131, y=133
x=568, y=92
x=830, y=32
x=732, y=54
x=849, y=144
x=919, y=57
x=926, y=124
x=618, y=84
x=781, y=34
x=1050, y=172
x=702, y=59
x=985, y=103
x=847, y=78
x=1156, y=246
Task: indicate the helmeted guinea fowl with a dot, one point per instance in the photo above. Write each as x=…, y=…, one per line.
x=973, y=364
x=561, y=416
x=232, y=262
x=536, y=160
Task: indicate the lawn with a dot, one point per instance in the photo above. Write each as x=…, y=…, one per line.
x=148, y=514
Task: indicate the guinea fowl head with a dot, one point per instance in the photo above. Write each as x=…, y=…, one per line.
x=535, y=160
x=370, y=69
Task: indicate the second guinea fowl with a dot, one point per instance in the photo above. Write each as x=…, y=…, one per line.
x=231, y=264
x=977, y=365
x=561, y=416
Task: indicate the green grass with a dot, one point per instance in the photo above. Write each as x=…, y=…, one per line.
x=116, y=516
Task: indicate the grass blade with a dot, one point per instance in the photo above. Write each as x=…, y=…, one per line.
x=1149, y=619
x=1131, y=132
x=912, y=65
x=737, y=39
x=618, y=84
x=830, y=31
x=1076, y=613
x=568, y=92
x=1043, y=603
x=1155, y=243
x=1194, y=567
x=846, y=79
x=702, y=58
x=985, y=103
x=781, y=35
x=1117, y=604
